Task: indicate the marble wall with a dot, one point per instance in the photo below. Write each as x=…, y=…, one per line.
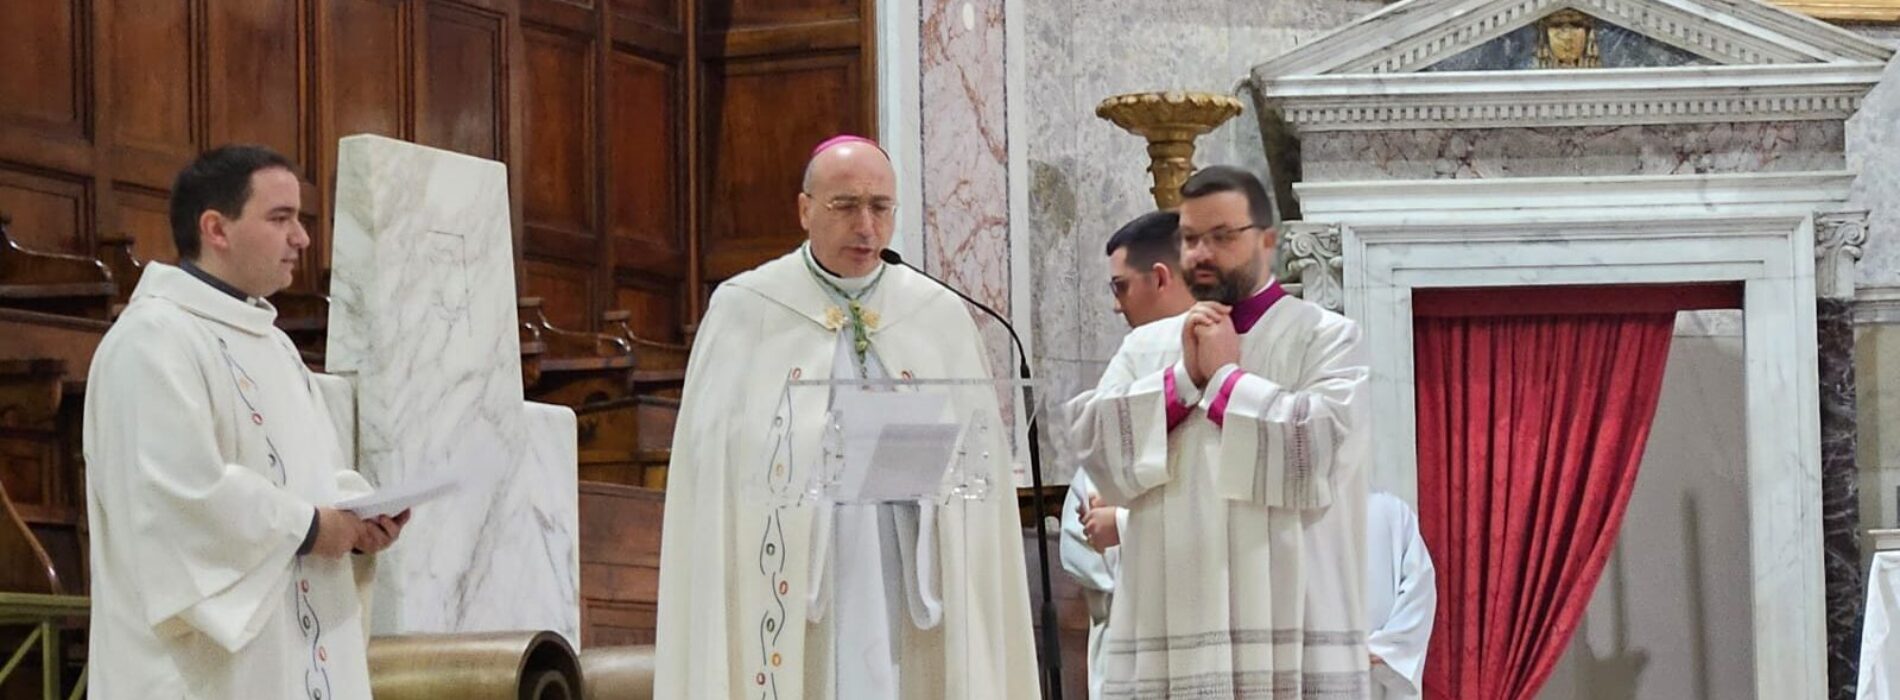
x=1873, y=148
x=965, y=141
x=1087, y=177
x=1656, y=149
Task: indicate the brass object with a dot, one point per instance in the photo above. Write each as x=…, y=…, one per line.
x=618, y=673
x=1170, y=121
x=1567, y=39
x=474, y=666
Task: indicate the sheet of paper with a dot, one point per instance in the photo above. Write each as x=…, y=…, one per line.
x=897, y=445
x=908, y=462
x=393, y=499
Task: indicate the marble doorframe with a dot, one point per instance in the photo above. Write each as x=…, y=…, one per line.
x=1551, y=231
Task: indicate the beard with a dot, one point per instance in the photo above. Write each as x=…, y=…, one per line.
x=1229, y=286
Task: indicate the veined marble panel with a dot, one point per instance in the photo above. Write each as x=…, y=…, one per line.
x=966, y=149
x=422, y=321
x=534, y=538
x=1873, y=149
x=1656, y=149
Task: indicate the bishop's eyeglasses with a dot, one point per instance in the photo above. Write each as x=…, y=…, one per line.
x=880, y=208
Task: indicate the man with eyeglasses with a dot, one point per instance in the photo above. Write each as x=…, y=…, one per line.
x=1144, y=279
x=1144, y=269
x=1236, y=437
x=759, y=599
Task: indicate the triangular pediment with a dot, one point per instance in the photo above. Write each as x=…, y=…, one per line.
x=1420, y=35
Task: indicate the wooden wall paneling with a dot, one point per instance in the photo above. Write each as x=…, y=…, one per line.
x=256, y=66
x=643, y=165
x=776, y=76
x=52, y=212
x=364, y=74
x=692, y=194
x=777, y=13
x=560, y=197
x=150, y=111
x=656, y=304
x=571, y=15
x=620, y=563
x=27, y=460
x=143, y=216
x=566, y=289
x=648, y=126
x=664, y=15
x=154, y=84
x=762, y=117
x=363, y=55
x=52, y=93
x=461, y=79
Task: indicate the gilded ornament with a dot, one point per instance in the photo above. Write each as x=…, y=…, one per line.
x=1170, y=121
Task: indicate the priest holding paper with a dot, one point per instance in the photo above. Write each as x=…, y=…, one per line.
x=1236, y=437
x=219, y=567
x=763, y=599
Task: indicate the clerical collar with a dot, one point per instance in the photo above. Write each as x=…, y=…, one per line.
x=850, y=285
x=192, y=269
x=1250, y=310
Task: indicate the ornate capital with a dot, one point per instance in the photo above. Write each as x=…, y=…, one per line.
x=1310, y=256
x=1838, y=237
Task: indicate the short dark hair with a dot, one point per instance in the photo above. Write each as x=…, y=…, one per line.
x=1154, y=237
x=219, y=179
x=1215, y=179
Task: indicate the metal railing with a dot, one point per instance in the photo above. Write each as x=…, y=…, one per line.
x=43, y=613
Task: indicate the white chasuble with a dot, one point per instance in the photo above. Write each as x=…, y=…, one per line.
x=1401, y=597
x=207, y=449
x=1242, y=563
x=747, y=601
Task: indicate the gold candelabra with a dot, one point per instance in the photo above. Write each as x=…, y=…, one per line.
x=1170, y=121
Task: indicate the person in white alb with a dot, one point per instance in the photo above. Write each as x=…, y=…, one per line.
x=1236, y=437
x=1144, y=278
x=219, y=569
x=1401, y=597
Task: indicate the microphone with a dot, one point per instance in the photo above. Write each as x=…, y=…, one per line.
x=1051, y=652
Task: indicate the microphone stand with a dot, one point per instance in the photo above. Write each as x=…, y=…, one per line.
x=1050, y=651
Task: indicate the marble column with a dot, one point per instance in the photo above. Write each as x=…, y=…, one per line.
x=964, y=144
x=1837, y=245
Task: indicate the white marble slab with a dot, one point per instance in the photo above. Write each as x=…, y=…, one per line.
x=533, y=537
x=422, y=320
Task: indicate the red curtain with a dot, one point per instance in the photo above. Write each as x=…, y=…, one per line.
x=1530, y=430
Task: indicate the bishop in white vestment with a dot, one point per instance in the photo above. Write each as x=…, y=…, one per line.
x=1242, y=564
x=766, y=600
x=1401, y=597
x=211, y=462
